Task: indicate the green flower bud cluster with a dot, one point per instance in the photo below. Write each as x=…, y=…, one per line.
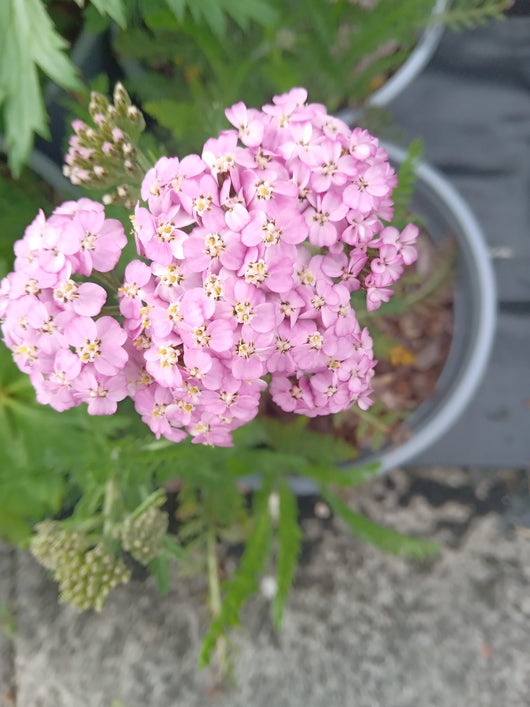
x=105, y=155
x=142, y=535
x=86, y=581
x=85, y=574
x=54, y=545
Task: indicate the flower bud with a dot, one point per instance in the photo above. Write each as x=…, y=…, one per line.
x=53, y=544
x=142, y=535
x=98, y=104
x=87, y=579
x=120, y=96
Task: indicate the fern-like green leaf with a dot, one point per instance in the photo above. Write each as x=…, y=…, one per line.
x=289, y=548
x=214, y=13
x=402, y=194
x=385, y=538
x=28, y=42
x=115, y=9
x=465, y=14
x=343, y=476
x=244, y=582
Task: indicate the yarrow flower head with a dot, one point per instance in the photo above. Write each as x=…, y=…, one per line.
x=247, y=257
x=52, y=314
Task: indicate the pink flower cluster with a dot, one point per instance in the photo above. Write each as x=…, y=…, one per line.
x=50, y=320
x=254, y=249
x=249, y=254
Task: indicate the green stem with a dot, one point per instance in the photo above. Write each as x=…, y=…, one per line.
x=156, y=499
x=109, y=279
x=432, y=284
x=372, y=420
x=144, y=161
x=214, y=589
x=111, y=506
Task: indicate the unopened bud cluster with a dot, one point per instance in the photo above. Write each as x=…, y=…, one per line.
x=54, y=545
x=86, y=581
x=85, y=576
x=142, y=535
x=105, y=155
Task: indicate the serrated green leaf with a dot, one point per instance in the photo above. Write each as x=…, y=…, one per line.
x=296, y=438
x=387, y=539
x=178, y=8
x=464, y=14
x=289, y=548
x=407, y=177
x=112, y=8
x=214, y=13
x=343, y=476
x=28, y=41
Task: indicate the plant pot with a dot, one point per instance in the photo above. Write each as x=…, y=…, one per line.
x=414, y=65
x=172, y=108
x=444, y=212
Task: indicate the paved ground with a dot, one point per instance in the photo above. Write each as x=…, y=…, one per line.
x=472, y=108
x=362, y=629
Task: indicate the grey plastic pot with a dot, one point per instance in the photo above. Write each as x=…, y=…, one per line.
x=416, y=62
x=444, y=211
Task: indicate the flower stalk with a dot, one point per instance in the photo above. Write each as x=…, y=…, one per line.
x=215, y=599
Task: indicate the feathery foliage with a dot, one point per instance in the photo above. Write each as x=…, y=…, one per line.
x=244, y=582
x=385, y=538
x=289, y=537
x=407, y=177
x=465, y=14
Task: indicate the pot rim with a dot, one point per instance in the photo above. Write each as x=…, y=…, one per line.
x=479, y=271
x=415, y=63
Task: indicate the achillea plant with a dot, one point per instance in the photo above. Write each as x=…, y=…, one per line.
x=247, y=257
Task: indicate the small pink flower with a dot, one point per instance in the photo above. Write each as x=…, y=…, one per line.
x=291, y=395
x=102, y=394
x=86, y=299
x=101, y=241
x=99, y=343
x=247, y=123
x=162, y=361
x=323, y=217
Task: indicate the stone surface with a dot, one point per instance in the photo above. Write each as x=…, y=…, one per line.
x=7, y=625
x=361, y=628
x=493, y=431
x=471, y=106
